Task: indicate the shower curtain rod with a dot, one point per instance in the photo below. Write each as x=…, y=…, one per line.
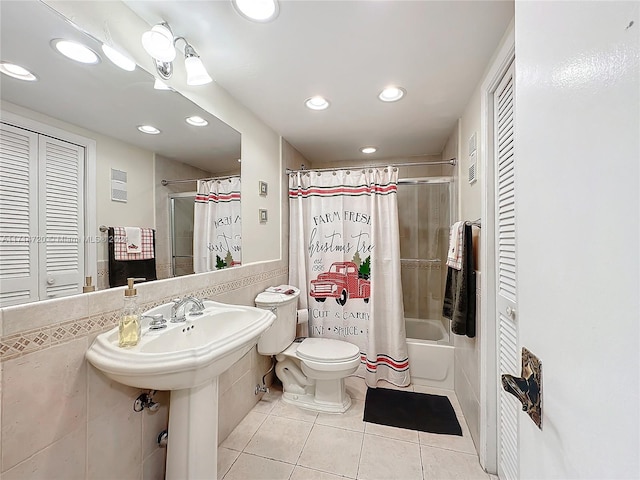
x=170, y=182
x=452, y=161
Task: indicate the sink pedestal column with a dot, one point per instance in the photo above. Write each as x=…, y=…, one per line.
x=192, y=450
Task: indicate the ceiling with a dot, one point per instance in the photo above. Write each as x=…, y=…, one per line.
x=346, y=51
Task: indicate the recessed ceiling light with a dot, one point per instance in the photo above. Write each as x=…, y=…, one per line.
x=392, y=94
x=151, y=130
x=16, y=71
x=119, y=59
x=257, y=10
x=197, y=121
x=369, y=149
x=76, y=51
x=317, y=103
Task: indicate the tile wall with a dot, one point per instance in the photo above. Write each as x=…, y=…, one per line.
x=61, y=418
x=467, y=372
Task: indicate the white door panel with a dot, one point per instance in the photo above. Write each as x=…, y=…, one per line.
x=506, y=291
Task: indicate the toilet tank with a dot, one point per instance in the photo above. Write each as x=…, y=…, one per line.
x=283, y=330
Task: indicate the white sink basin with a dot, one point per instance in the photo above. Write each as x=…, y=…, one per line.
x=185, y=358
x=183, y=355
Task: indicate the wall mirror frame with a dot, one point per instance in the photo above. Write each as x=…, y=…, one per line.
x=105, y=104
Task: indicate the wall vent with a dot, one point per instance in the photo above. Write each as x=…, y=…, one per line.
x=472, y=169
x=118, y=185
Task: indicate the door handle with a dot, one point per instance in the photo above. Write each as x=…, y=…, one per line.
x=527, y=388
x=511, y=312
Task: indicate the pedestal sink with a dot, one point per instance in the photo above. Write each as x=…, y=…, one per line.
x=187, y=359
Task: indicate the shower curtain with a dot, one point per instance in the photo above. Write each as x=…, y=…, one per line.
x=344, y=256
x=217, y=235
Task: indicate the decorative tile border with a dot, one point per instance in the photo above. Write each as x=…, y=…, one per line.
x=30, y=341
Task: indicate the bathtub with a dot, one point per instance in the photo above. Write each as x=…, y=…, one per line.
x=430, y=355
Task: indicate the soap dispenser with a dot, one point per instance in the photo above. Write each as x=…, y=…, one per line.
x=129, y=326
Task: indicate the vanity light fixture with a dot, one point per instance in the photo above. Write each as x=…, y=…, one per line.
x=196, y=73
x=317, y=103
x=257, y=10
x=119, y=59
x=392, y=94
x=369, y=149
x=160, y=85
x=158, y=42
x=196, y=121
x=16, y=71
x=151, y=130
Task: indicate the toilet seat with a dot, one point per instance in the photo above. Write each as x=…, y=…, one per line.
x=327, y=355
x=327, y=350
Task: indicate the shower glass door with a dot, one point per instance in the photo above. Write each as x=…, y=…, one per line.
x=424, y=210
x=181, y=212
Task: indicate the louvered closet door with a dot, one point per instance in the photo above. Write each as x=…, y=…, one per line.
x=61, y=218
x=18, y=216
x=508, y=349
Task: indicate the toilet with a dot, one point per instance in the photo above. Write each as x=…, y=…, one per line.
x=312, y=370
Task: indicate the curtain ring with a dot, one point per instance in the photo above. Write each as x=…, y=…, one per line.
x=395, y=169
x=334, y=173
x=348, y=172
x=371, y=171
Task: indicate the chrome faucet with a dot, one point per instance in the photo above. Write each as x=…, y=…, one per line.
x=196, y=309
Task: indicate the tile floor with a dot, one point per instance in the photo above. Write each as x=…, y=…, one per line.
x=277, y=441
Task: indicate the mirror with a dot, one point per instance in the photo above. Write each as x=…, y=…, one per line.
x=106, y=104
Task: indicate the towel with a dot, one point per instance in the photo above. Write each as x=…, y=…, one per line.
x=134, y=239
x=121, y=240
x=120, y=270
x=456, y=246
x=460, y=292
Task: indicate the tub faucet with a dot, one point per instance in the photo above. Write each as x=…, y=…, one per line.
x=179, y=311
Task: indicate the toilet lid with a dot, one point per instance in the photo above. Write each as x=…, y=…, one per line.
x=327, y=350
x=275, y=296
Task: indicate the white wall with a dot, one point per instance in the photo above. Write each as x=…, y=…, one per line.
x=467, y=360
x=577, y=122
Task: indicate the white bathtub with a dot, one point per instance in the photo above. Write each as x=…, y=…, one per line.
x=430, y=355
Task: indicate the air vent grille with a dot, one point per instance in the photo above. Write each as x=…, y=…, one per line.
x=118, y=185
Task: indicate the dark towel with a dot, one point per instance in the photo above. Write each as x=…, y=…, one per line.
x=119, y=271
x=460, y=293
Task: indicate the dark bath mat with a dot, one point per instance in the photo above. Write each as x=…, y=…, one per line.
x=414, y=411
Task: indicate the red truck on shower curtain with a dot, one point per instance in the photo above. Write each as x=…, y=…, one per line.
x=340, y=282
